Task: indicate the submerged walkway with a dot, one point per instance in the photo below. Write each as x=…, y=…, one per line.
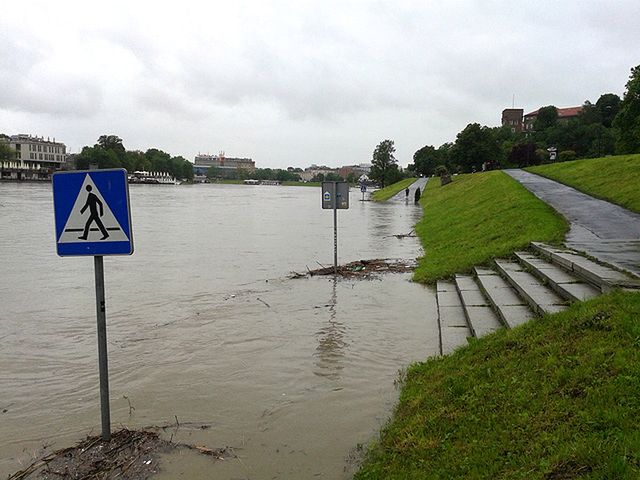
x=599, y=228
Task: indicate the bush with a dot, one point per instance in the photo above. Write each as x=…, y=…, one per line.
x=567, y=155
x=441, y=170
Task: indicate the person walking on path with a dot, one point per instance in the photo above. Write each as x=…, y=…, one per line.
x=417, y=195
x=92, y=203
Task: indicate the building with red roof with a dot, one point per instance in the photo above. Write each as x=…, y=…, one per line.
x=564, y=115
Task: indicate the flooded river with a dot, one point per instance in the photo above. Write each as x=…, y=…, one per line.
x=205, y=327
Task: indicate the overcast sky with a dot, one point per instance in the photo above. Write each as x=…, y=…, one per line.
x=290, y=83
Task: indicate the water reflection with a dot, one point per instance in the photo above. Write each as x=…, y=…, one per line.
x=329, y=353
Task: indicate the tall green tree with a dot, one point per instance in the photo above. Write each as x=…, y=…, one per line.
x=627, y=121
x=475, y=145
x=547, y=117
x=608, y=106
x=384, y=166
x=111, y=142
x=426, y=160
x=6, y=152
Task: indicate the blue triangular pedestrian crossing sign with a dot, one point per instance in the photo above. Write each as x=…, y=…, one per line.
x=92, y=213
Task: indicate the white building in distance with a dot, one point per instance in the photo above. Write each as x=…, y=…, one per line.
x=35, y=157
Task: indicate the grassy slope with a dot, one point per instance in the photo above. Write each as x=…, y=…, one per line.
x=479, y=217
x=556, y=398
x=387, y=192
x=616, y=179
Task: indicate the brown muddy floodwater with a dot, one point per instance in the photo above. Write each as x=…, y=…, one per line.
x=204, y=325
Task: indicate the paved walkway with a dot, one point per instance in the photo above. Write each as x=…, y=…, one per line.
x=402, y=196
x=599, y=228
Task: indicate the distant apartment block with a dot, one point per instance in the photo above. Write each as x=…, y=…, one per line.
x=512, y=118
x=315, y=170
x=35, y=157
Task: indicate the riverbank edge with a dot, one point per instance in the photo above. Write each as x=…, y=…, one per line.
x=446, y=422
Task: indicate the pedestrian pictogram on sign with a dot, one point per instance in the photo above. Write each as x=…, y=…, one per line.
x=92, y=213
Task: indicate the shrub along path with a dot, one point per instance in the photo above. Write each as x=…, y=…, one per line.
x=599, y=228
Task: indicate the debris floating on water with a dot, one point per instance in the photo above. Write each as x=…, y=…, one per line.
x=362, y=268
x=130, y=454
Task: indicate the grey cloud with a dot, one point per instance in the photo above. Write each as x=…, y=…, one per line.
x=30, y=84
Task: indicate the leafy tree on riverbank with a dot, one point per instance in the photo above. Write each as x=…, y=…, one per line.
x=627, y=121
x=384, y=166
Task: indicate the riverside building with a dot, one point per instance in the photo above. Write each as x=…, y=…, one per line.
x=225, y=164
x=35, y=158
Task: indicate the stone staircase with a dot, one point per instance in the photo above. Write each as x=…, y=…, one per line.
x=543, y=280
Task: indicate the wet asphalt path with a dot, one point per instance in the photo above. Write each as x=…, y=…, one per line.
x=599, y=228
x=402, y=196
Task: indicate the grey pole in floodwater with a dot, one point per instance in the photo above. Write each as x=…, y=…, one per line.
x=335, y=228
x=102, y=349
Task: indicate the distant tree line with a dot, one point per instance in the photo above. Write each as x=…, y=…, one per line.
x=609, y=126
x=215, y=173
x=109, y=152
x=288, y=175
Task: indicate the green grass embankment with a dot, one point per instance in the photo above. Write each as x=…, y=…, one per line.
x=616, y=179
x=556, y=398
x=479, y=217
x=389, y=191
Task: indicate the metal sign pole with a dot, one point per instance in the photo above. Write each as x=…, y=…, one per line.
x=335, y=228
x=102, y=348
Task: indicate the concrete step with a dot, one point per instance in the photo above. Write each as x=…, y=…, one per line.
x=601, y=276
x=562, y=282
x=540, y=298
x=453, y=324
x=511, y=309
x=480, y=316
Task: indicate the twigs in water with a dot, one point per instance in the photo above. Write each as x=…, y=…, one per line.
x=363, y=269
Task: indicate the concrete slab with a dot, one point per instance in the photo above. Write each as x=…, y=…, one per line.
x=539, y=297
x=448, y=298
x=483, y=271
x=498, y=291
x=483, y=320
x=511, y=309
x=478, y=311
x=452, y=321
x=550, y=271
x=473, y=298
x=452, y=316
x=579, y=291
x=465, y=282
x=514, y=315
x=453, y=338
x=562, y=282
x=602, y=276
